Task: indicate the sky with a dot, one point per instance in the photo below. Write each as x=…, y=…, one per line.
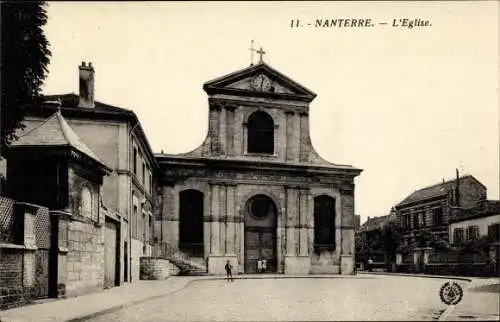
x=406, y=105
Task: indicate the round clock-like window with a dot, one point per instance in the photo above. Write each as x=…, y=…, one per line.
x=259, y=207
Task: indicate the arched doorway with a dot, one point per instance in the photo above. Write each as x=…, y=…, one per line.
x=260, y=233
x=191, y=222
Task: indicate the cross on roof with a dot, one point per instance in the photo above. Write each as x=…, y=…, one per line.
x=261, y=52
x=251, y=51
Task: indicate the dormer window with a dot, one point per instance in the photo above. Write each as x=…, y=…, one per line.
x=260, y=133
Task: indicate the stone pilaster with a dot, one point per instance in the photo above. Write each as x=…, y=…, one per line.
x=223, y=131
x=170, y=217
x=231, y=224
x=290, y=135
x=207, y=224
x=231, y=129
x=222, y=222
x=347, y=230
x=214, y=225
x=304, y=137
x=303, y=222
x=290, y=221
x=214, y=127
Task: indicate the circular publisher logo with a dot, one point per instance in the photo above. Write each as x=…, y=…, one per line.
x=451, y=293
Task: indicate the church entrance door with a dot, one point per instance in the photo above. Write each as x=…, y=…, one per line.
x=260, y=233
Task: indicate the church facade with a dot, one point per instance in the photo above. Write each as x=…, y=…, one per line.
x=256, y=188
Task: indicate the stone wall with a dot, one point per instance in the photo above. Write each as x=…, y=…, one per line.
x=135, y=255
x=11, y=278
x=470, y=192
x=85, y=258
x=153, y=268
x=224, y=212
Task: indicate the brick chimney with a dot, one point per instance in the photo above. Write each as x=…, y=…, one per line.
x=86, y=78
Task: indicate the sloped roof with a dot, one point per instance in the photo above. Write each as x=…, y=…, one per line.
x=101, y=111
x=72, y=99
x=436, y=190
x=55, y=132
x=375, y=223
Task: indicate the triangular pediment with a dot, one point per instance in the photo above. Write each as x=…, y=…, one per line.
x=259, y=80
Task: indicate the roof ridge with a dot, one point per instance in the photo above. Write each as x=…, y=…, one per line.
x=61, y=127
x=38, y=125
x=445, y=182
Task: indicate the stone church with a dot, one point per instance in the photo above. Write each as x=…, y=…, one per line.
x=256, y=188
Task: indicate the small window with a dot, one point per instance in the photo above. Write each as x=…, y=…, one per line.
x=458, y=235
x=438, y=216
x=494, y=232
x=472, y=232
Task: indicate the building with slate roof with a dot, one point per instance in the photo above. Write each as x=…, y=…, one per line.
x=116, y=138
x=51, y=166
x=430, y=208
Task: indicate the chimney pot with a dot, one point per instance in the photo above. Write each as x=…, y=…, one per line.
x=86, y=78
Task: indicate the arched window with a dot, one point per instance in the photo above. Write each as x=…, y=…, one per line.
x=324, y=223
x=86, y=202
x=191, y=222
x=260, y=133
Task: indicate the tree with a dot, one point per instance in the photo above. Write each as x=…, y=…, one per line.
x=25, y=56
x=391, y=238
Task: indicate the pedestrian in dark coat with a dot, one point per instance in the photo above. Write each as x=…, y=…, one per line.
x=229, y=271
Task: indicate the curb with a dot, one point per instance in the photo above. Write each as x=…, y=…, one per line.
x=88, y=316
x=417, y=275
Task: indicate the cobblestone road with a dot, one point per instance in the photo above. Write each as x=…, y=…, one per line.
x=342, y=298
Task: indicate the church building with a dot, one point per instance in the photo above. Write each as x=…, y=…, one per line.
x=256, y=189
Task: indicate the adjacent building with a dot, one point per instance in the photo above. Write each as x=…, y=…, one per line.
x=430, y=208
x=117, y=138
x=475, y=222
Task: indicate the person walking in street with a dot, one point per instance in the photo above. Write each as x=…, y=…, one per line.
x=229, y=271
x=370, y=264
x=259, y=265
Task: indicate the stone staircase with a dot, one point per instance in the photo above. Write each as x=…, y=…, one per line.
x=187, y=266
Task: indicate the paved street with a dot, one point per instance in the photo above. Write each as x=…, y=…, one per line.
x=338, y=298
